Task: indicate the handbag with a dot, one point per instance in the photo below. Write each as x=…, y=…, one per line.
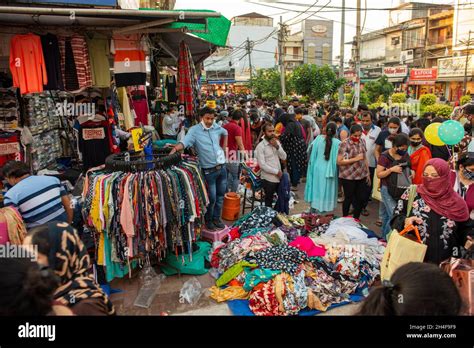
x=462, y=273
x=401, y=250
x=376, y=194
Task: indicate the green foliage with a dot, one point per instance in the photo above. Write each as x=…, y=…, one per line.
x=314, y=81
x=266, y=83
x=348, y=98
x=465, y=99
x=427, y=99
x=399, y=98
x=440, y=110
x=378, y=88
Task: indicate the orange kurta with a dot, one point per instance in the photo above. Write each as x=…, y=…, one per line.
x=27, y=63
x=418, y=160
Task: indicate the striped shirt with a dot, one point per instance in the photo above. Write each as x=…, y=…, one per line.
x=37, y=198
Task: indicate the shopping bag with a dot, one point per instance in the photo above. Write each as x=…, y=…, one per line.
x=376, y=194
x=401, y=250
x=462, y=273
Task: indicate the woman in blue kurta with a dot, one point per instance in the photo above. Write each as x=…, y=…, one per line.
x=321, y=181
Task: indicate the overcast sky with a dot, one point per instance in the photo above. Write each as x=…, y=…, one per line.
x=375, y=19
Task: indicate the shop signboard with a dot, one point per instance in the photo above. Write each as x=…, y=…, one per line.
x=395, y=71
x=423, y=76
x=455, y=67
x=370, y=73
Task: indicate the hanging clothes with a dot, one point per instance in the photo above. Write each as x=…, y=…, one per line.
x=149, y=212
x=170, y=82
x=129, y=60
x=99, y=50
x=52, y=57
x=128, y=118
x=95, y=143
x=186, y=80
x=10, y=149
x=75, y=62
x=27, y=63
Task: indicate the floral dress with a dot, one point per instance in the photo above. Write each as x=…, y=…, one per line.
x=444, y=237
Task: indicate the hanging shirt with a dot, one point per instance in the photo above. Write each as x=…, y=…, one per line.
x=99, y=52
x=129, y=60
x=75, y=55
x=52, y=57
x=27, y=63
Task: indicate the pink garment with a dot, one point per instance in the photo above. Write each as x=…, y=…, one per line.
x=141, y=111
x=126, y=217
x=4, y=239
x=307, y=245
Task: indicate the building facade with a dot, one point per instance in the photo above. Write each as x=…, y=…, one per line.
x=294, y=51
x=317, y=41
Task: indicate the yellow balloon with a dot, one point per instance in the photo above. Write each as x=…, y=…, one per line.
x=431, y=134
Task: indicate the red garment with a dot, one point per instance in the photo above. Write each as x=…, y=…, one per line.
x=141, y=111
x=234, y=233
x=27, y=63
x=246, y=134
x=439, y=194
x=10, y=149
x=186, y=79
x=263, y=302
x=233, y=130
x=418, y=160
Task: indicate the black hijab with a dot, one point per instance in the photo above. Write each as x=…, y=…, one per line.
x=292, y=127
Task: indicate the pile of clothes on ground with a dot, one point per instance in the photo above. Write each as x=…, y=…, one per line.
x=283, y=265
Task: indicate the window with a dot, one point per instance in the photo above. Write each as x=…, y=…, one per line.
x=296, y=52
x=395, y=40
x=413, y=38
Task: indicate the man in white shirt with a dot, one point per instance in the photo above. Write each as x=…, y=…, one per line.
x=269, y=152
x=171, y=124
x=369, y=134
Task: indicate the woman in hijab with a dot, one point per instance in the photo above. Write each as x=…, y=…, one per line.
x=61, y=249
x=294, y=145
x=441, y=215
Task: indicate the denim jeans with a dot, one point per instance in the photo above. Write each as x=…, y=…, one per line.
x=216, y=187
x=233, y=176
x=387, y=206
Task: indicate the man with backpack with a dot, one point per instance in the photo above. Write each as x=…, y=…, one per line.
x=394, y=172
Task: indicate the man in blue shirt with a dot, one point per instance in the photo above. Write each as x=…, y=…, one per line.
x=205, y=137
x=39, y=199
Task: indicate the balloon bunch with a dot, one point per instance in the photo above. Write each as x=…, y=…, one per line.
x=447, y=133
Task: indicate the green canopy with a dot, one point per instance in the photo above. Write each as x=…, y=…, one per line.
x=217, y=27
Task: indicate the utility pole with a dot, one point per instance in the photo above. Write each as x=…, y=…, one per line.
x=357, y=59
x=281, y=60
x=467, y=62
x=341, y=51
x=249, y=52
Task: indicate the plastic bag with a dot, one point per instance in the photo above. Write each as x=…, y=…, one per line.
x=190, y=292
x=151, y=282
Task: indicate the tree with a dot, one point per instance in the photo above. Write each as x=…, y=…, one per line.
x=377, y=88
x=266, y=83
x=315, y=81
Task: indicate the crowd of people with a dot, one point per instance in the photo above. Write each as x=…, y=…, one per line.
x=341, y=155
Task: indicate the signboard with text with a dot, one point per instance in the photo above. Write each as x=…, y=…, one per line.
x=395, y=71
x=430, y=74
x=455, y=67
